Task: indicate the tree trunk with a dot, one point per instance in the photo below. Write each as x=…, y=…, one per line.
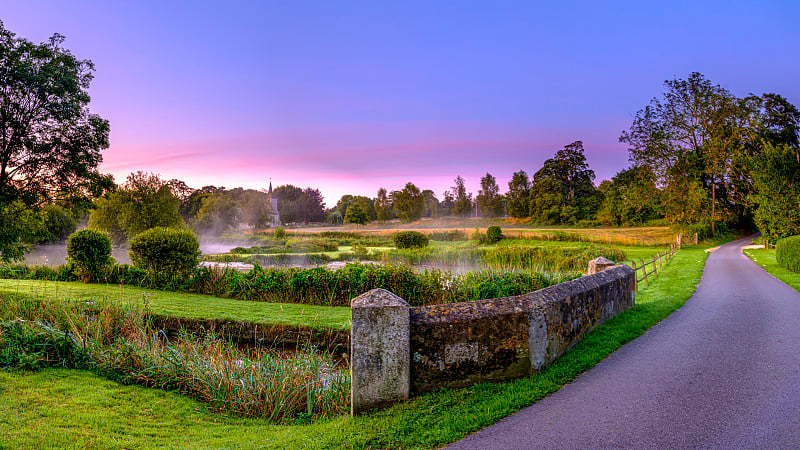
x=713, y=202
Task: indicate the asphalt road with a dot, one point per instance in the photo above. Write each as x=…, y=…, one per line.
x=721, y=372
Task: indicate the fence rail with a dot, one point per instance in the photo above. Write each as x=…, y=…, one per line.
x=657, y=264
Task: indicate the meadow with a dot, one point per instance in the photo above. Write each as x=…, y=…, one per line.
x=109, y=330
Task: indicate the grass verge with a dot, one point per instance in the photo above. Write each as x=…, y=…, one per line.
x=766, y=259
x=43, y=406
x=190, y=306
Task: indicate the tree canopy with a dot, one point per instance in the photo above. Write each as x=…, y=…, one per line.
x=490, y=202
x=50, y=142
x=409, y=203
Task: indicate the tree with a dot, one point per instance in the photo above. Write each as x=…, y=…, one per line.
x=630, y=198
x=518, y=197
x=431, y=204
x=447, y=204
x=383, y=207
x=409, y=203
x=256, y=209
x=711, y=135
x=463, y=201
x=218, y=212
x=776, y=178
x=356, y=214
x=299, y=205
x=143, y=202
x=490, y=202
x=50, y=143
x=567, y=179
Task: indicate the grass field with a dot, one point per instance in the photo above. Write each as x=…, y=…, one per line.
x=190, y=306
x=766, y=259
x=57, y=408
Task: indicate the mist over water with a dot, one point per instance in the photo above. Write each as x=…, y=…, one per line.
x=53, y=255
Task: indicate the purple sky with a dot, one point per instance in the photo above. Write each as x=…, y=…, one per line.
x=351, y=96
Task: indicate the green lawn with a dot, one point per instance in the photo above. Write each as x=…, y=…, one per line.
x=766, y=259
x=70, y=408
x=190, y=306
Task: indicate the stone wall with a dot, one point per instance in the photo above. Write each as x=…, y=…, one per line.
x=460, y=344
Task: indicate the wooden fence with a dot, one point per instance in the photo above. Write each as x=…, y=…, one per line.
x=657, y=263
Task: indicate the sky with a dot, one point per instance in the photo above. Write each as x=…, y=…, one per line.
x=348, y=97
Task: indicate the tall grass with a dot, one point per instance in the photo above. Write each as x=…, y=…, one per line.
x=118, y=341
x=519, y=257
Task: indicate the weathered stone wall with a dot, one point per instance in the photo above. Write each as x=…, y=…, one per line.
x=464, y=343
x=459, y=344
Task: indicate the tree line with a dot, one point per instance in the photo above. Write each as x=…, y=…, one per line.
x=700, y=158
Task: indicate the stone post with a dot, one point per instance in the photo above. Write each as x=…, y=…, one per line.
x=380, y=359
x=599, y=264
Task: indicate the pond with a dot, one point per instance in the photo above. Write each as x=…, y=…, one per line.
x=53, y=255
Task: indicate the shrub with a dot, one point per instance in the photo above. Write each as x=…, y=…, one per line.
x=280, y=233
x=90, y=252
x=410, y=239
x=493, y=234
x=167, y=255
x=787, y=253
x=448, y=236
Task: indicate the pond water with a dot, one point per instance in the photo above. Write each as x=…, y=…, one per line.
x=54, y=255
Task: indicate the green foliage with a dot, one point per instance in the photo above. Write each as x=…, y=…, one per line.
x=448, y=236
x=630, y=198
x=493, y=234
x=118, y=341
x=787, y=253
x=698, y=139
x=19, y=226
x=167, y=255
x=279, y=233
x=776, y=178
x=518, y=196
x=409, y=239
x=462, y=201
x=143, y=202
x=563, y=189
x=58, y=223
x=356, y=214
x=409, y=203
x=90, y=252
x=490, y=202
x=299, y=205
x=51, y=143
x=383, y=206
x=218, y=213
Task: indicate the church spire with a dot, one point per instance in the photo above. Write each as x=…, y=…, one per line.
x=270, y=186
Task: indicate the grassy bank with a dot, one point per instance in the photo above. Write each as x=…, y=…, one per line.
x=766, y=259
x=189, y=306
x=43, y=404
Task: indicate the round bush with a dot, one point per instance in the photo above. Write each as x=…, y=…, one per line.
x=167, y=255
x=409, y=239
x=90, y=252
x=493, y=234
x=787, y=253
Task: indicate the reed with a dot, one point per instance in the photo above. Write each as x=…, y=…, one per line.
x=119, y=341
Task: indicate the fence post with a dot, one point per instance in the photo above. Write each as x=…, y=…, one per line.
x=660, y=265
x=655, y=272
x=644, y=271
x=695, y=239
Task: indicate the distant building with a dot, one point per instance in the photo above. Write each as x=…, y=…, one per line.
x=273, y=202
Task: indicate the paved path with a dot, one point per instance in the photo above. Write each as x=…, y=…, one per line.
x=721, y=372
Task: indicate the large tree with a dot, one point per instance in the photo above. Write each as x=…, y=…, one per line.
x=409, y=203
x=776, y=177
x=383, y=206
x=564, y=183
x=490, y=202
x=143, y=202
x=462, y=200
x=700, y=136
x=630, y=198
x=49, y=141
x=517, y=198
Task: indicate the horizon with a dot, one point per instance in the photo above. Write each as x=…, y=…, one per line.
x=352, y=97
